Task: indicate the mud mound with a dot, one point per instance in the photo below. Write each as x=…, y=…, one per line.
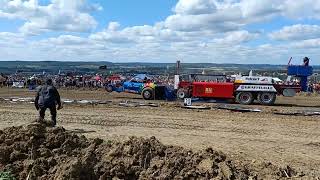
x=39, y=152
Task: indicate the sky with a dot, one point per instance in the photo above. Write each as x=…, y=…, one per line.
x=195, y=31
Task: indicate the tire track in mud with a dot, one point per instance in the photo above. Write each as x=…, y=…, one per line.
x=154, y=121
x=111, y=123
x=130, y=117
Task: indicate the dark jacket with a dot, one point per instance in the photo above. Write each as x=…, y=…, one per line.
x=47, y=96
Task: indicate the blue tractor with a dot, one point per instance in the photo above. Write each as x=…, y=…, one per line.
x=139, y=84
x=144, y=85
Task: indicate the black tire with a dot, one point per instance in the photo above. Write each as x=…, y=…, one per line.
x=245, y=98
x=109, y=89
x=147, y=93
x=267, y=98
x=181, y=93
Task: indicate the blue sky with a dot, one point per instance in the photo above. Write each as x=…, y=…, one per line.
x=133, y=13
x=217, y=31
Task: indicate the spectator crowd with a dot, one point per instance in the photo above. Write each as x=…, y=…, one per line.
x=60, y=81
x=95, y=81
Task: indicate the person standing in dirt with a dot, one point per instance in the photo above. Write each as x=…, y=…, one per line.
x=47, y=98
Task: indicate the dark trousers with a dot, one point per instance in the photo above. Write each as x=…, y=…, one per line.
x=53, y=112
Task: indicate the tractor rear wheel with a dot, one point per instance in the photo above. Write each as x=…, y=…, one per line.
x=148, y=93
x=183, y=93
x=267, y=98
x=245, y=98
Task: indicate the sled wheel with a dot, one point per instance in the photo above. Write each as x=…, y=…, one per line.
x=245, y=98
x=267, y=98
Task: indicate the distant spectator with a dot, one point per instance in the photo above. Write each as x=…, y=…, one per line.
x=310, y=88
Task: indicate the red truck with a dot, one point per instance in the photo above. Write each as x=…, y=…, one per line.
x=242, y=89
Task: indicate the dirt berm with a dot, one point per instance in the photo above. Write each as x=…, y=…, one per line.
x=39, y=152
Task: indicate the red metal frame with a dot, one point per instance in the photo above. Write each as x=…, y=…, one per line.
x=281, y=87
x=224, y=90
x=213, y=90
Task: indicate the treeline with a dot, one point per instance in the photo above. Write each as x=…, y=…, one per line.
x=53, y=67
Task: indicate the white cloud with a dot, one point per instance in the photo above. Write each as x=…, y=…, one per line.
x=197, y=31
x=111, y=35
x=287, y=8
x=136, y=34
x=194, y=7
x=214, y=22
x=302, y=9
x=8, y=39
x=68, y=47
x=8, y=36
x=296, y=32
x=310, y=43
x=113, y=26
x=251, y=8
x=223, y=16
x=198, y=15
x=58, y=15
x=67, y=40
x=237, y=37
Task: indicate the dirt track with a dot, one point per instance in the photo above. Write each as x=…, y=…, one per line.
x=250, y=136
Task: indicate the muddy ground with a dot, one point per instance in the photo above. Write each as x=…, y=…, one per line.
x=39, y=152
x=251, y=137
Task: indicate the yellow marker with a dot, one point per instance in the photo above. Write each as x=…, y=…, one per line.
x=208, y=90
x=239, y=81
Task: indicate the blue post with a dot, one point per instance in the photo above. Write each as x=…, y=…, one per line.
x=304, y=83
x=302, y=72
